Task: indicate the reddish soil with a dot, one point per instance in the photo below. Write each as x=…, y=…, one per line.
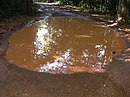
x=20, y=82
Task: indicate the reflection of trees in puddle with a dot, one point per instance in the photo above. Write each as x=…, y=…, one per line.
x=71, y=48
x=65, y=45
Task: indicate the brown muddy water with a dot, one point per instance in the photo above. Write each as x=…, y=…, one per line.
x=64, y=45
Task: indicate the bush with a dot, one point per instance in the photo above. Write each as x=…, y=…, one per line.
x=102, y=6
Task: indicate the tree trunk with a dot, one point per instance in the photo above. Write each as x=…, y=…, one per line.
x=25, y=7
x=123, y=12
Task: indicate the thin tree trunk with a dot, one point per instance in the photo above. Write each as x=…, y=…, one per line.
x=25, y=7
x=123, y=11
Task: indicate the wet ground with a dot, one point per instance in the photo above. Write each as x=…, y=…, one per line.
x=64, y=45
x=20, y=82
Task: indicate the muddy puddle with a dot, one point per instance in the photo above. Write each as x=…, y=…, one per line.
x=64, y=45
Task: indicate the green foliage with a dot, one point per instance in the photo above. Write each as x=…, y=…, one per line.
x=39, y=0
x=44, y=0
x=102, y=6
x=65, y=2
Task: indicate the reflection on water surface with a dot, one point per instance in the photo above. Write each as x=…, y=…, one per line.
x=64, y=45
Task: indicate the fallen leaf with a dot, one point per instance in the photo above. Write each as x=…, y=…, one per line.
x=57, y=57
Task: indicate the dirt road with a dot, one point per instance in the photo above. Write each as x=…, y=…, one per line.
x=20, y=82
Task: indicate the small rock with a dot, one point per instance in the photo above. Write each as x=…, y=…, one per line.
x=1, y=49
x=114, y=52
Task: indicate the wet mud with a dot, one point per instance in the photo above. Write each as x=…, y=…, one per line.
x=20, y=82
x=64, y=45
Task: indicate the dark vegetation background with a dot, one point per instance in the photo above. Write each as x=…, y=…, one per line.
x=10, y=8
